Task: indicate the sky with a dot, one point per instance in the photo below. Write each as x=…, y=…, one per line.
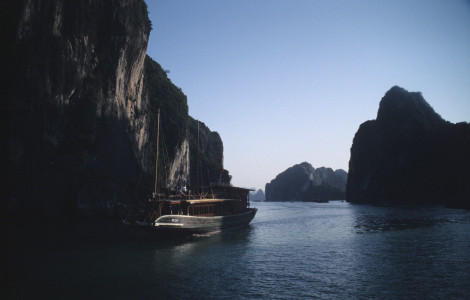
x=285, y=82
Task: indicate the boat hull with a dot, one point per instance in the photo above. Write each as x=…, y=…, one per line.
x=199, y=225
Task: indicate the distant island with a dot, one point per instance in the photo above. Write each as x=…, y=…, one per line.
x=257, y=195
x=302, y=182
x=409, y=154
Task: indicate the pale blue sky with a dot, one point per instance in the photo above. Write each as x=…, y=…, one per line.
x=290, y=81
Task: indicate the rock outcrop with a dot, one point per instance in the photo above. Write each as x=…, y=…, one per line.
x=303, y=182
x=82, y=109
x=257, y=195
x=208, y=155
x=409, y=154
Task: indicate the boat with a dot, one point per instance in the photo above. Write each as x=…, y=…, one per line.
x=222, y=207
x=226, y=207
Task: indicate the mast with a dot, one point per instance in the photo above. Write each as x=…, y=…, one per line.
x=197, y=174
x=156, y=159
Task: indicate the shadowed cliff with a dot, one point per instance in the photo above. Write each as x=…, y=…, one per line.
x=82, y=109
x=409, y=154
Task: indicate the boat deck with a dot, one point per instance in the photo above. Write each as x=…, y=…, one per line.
x=198, y=201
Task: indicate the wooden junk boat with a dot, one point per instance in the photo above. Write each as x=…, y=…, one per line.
x=227, y=207
x=223, y=207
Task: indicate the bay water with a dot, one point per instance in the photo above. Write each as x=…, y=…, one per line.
x=291, y=250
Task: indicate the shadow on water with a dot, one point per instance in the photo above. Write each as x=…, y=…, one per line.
x=105, y=259
x=420, y=249
x=372, y=219
x=199, y=266
x=290, y=250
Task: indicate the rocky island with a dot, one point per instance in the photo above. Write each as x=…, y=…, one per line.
x=303, y=182
x=82, y=109
x=409, y=154
x=257, y=195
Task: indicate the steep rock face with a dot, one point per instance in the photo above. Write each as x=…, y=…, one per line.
x=409, y=154
x=174, y=148
x=77, y=121
x=179, y=153
x=302, y=182
x=207, y=153
x=82, y=109
x=178, y=173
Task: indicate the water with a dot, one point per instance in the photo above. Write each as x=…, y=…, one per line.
x=291, y=250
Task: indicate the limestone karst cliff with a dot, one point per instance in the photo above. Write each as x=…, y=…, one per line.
x=409, y=154
x=82, y=103
x=178, y=157
x=303, y=182
x=257, y=195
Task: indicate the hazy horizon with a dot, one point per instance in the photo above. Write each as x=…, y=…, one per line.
x=285, y=82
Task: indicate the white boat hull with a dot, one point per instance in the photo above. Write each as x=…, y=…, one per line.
x=201, y=224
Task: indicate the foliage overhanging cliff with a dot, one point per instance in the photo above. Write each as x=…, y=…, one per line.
x=409, y=154
x=82, y=102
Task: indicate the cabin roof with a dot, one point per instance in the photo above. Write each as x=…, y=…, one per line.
x=210, y=200
x=200, y=201
x=229, y=187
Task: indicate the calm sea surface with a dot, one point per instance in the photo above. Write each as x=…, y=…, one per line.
x=291, y=250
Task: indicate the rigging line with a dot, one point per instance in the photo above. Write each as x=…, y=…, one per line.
x=197, y=173
x=157, y=135
x=156, y=159
x=209, y=177
x=152, y=137
x=166, y=158
x=188, y=178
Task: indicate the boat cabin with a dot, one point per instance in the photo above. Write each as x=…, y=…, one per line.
x=221, y=201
